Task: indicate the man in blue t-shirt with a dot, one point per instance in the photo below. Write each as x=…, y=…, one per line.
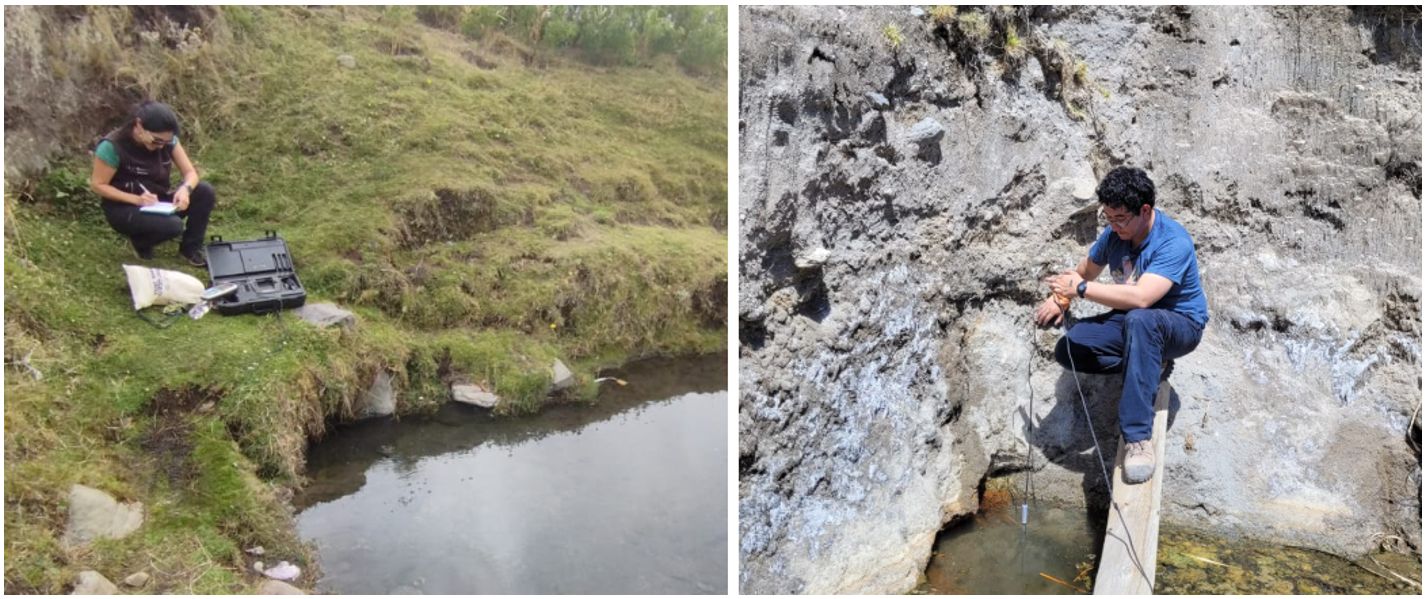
x=1158, y=307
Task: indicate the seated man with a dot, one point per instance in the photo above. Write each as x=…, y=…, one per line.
x=1158, y=307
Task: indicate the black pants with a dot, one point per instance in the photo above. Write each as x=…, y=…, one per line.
x=147, y=230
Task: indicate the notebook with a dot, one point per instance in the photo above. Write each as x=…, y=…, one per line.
x=159, y=208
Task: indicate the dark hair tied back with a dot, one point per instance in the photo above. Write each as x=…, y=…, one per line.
x=156, y=117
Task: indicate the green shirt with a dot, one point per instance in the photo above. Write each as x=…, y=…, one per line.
x=110, y=155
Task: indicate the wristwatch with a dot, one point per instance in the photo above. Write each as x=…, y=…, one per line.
x=1080, y=289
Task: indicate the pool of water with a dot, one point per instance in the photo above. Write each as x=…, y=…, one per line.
x=625, y=496
x=992, y=553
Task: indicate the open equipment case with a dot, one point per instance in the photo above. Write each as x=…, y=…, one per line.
x=263, y=271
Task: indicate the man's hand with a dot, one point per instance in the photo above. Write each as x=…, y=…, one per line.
x=1065, y=283
x=180, y=199
x=1048, y=313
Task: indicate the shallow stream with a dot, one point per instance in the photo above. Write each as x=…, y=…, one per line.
x=625, y=496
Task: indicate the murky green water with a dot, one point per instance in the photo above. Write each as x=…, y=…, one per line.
x=626, y=496
x=993, y=554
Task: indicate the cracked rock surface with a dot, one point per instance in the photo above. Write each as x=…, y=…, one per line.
x=901, y=201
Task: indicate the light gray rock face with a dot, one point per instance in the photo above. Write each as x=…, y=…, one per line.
x=94, y=514
x=380, y=399
x=880, y=388
x=326, y=315
x=560, y=376
x=93, y=583
x=474, y=395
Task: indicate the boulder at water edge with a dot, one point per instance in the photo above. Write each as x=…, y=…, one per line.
x=277, y=587
x=561, y=377
x=474, y=395
x=380, y=399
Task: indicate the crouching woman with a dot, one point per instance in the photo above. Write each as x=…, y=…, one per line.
x=132, y=169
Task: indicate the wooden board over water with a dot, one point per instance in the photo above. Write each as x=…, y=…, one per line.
x=1131, y=539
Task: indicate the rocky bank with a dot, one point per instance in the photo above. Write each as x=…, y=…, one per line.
x=908, y=176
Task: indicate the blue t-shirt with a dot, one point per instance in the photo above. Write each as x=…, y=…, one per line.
x=1168, y=252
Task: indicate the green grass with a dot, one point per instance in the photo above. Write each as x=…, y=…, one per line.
x=480, y=222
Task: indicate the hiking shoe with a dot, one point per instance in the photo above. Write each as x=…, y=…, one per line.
x=1139, y=461
x=196, y=256
x=142, y=253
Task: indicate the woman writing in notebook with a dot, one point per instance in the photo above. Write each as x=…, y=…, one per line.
x=132, y=169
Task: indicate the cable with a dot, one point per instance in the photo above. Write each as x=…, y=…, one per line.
x=1103, y=469
x=1029, y=462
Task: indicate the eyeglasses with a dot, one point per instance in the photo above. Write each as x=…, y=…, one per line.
x=1117, y=221
x=154, y=139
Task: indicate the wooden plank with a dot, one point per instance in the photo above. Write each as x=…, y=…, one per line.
x=1131, y=539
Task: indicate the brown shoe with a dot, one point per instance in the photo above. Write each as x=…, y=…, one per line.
x=1139, y=461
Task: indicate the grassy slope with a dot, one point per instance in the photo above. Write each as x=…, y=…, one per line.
x=479, y=221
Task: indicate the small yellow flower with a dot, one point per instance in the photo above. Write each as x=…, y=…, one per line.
x=553, y=326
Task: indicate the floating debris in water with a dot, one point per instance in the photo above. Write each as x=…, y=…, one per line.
x=602, y=379
x=1206, y=560
x=1062, y=583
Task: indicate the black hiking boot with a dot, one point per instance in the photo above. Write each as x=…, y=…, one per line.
x=142, y=253
x=196, y=256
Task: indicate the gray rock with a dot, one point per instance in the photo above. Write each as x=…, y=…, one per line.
x=474, y=395
x=560, y=376
x=137, y=579
x=325, y=315
x=878, y=101
x=812, y=259
x=918, y=12
x=927, y=131
x=94, y=514
x=347, y=61
x=379, y=400
x=93, y=583
x=1084, y=190
x=277, y=587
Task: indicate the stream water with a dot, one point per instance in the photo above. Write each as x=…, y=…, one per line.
x=992, y=553
x=625, y=496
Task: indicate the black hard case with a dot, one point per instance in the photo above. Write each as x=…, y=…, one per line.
x=263, y=271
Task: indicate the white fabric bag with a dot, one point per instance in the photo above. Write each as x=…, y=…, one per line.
x=158, y=287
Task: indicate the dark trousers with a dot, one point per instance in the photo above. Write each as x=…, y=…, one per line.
x=1135, y=343
x=147, y=230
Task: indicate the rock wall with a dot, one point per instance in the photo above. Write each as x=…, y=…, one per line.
x=73, y=72
x=909, y=176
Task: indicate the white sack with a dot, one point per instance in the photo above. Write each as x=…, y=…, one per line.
x=155, y=286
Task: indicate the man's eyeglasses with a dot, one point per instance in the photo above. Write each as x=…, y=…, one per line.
x=1117, y=221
